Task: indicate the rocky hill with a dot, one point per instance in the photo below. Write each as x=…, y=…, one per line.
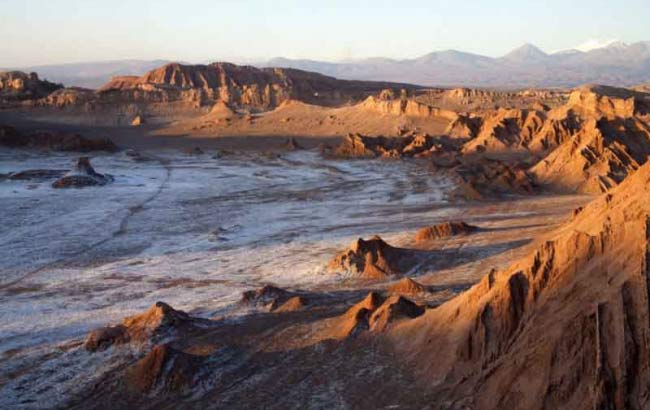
x=17, y=86
x=612, y=140
x=565, y=327
x=240, y=86
x=589, y=144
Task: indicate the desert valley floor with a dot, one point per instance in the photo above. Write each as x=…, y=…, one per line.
x=232, y=237
x=197, y=229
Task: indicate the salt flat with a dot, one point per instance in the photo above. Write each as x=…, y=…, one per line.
x=195, y=230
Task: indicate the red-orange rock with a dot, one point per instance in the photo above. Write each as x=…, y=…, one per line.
x=444, y=230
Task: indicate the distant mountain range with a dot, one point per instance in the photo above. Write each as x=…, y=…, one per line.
x=617, y=64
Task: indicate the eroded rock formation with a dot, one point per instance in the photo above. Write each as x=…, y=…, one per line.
x=164, y=370
x=84, y=175
x=268, y=297
x=478, y=179
x=375, y=313
x=388, y=104
x=506, y=130
x=417, y=146
x=566, y=327
x=597, y=158
x=407, y=286
x=237, y=86
x=156, y=322
x=444, y=230
x=16, y=86
x=373, y=259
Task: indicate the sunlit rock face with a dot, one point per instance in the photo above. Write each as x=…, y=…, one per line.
x=575, y=310
x=16, y=86
x=237, y=86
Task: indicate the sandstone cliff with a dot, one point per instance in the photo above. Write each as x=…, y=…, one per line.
x=17, y=86
x=506, y=131
x=604, y=137
x=538, y=131
x=239, y=86
x=406, y=106
x=565, y=327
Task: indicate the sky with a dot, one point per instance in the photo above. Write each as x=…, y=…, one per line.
x=34, y=32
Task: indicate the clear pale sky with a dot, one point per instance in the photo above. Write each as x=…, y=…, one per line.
x=57, y=31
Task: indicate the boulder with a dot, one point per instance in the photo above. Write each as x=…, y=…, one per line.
x=83, y=176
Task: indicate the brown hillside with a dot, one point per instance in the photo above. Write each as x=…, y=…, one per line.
x=566, y=327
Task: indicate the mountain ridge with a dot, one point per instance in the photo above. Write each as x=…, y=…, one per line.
x=618, y=64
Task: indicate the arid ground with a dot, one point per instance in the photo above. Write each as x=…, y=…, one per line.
x=221, y=236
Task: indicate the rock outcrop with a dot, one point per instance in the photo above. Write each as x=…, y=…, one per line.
x=481, y=101
x=355, y=319
x=538, y=131
x=395, y=308
x=597, y=158
x=506, y=130
x=373, y=259
x=220, y=112
x=152, y=325
x=267, y=297
x=293, y=304
x=375, y=313
x=444, y=230
x=565, y=327
x=16, y=86
x=407, y=286
x=384, y=104
x=84, y=175
x=416, y=146
x=476, y=180
x=587, y=145
x=163, y=370
x=465, y=126
x=68, y=98
x=237, y=86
